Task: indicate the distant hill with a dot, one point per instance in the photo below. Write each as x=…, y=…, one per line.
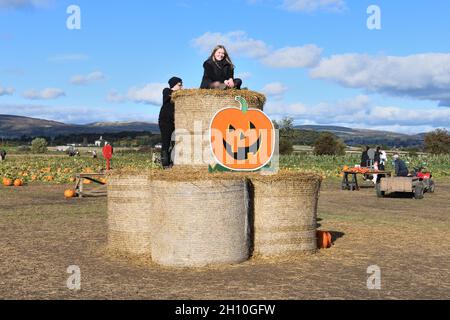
x=370, y=137
x=17, y=126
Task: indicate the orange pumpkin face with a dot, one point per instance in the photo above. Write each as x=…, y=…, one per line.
x=241, y=138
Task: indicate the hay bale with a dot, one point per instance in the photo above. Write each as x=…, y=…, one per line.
x=285, y=213
x=129, y=212
x=202, y=220
x=194, y=110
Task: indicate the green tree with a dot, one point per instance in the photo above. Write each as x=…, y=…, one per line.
x=437, y=142
x=287, y=134
x=39, y=145
x=328, y=144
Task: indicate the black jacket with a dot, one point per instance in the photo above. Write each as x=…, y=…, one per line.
x=167, y=113
x=400, y=168
x=216, y=71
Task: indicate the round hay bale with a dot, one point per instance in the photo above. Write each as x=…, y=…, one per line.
x=194, y=110
x=129, y=212
x=202, y=219
x=285, y=213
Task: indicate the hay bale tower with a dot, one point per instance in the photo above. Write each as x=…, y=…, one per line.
x=130, y=218
x=194, y=110
x=202, y=219
x=285, y=213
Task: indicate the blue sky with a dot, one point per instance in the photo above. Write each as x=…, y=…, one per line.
x=316, y=60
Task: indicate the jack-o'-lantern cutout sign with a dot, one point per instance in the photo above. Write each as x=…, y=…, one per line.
x=242, y=139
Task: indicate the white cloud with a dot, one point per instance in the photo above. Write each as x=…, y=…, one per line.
x=14, y=4
x=294, y=57
x=46, y=94
x=275, y=90
x=76, y=114
x=115, y=97
x=359, y=112
x=6, y=91
x=150, y=93
x=314, y=5
x=236, y=42
x=87, y=79
x=70, y=57
x=421, y=76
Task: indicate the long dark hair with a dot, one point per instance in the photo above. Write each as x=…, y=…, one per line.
x=226, y=58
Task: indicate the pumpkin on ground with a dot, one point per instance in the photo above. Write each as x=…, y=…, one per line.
x=7, y=182
x=69, y=193
x=18, y=183
x=323, y=239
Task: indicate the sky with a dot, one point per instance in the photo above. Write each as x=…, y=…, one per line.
x=327, y=62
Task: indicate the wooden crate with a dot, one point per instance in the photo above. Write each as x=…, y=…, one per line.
x=397, y=184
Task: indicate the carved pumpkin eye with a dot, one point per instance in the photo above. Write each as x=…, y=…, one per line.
x=231, y=128
x=252, y=126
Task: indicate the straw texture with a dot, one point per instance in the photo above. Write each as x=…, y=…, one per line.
x=200, y=223
x=194, y=110
x=285, y=214
x=129, y=213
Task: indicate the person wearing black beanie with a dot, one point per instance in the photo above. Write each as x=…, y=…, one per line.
x=166, y=120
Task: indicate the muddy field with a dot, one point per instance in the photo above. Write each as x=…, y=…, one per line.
x=41, y=234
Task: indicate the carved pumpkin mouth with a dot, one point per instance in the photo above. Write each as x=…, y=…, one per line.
x=242, y=152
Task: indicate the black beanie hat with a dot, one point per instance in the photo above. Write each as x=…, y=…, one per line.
x=174, y=81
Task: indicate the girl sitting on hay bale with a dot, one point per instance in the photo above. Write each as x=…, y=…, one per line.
x=167, y=120
x=219, y=71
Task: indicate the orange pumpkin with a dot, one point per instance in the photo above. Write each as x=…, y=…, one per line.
x=72, y=179
x=7, y=182
x=241, y=138
x=18, y=183
x=345, y=168
x=324, y=239
x=49, y=178
x=69, y=193
x=87, y=181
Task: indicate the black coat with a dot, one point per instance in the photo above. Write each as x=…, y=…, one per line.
x=401, y=170
x=216, y=71
x=167, y=113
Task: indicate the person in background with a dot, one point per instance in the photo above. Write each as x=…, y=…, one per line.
x=166, y=120
x=365, y=157
x=94, y=154
x=219, y=71
x=2, y=155
x=401, y=170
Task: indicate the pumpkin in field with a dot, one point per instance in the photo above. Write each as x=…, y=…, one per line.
x=242, y=138
x=69, y=193
x=345, y=168
x=87, y=181
x=7, y=182
x=72, y=179
x=323, y=239
x=18, y=183
x=49, y=178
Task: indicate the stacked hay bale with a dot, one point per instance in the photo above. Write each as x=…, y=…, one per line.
x=202, y=218
x=130, y=219
x=285, y=213
x=194, y=110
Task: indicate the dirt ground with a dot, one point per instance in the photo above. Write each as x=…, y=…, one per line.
x=41, y=234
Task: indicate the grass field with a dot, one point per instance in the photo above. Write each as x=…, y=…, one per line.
x=42, y=234
x=61, y=168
